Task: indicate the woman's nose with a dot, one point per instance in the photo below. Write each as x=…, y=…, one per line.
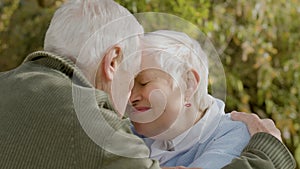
x=135, y=96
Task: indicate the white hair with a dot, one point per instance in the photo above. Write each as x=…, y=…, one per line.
x=87, y=28
x=178, y=54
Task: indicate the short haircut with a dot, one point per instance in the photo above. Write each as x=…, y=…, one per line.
x=101, y=23
x=178, y=54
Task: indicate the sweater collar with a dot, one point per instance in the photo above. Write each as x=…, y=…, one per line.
x=59, y=63
x=67, y=67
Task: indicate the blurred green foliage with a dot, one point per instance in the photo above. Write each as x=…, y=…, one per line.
x=23, y=24
x=258, y=42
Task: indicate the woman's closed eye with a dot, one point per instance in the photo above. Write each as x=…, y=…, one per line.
x=144, y=83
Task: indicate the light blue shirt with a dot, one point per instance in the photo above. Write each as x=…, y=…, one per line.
x=210, y=144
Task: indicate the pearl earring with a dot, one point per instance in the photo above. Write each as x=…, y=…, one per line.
x=187, y=104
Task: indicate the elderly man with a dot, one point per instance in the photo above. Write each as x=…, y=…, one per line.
x=54, y=110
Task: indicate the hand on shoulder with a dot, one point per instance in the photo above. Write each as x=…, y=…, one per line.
x=256, y=124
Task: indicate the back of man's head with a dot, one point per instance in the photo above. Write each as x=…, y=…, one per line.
x=83, y=30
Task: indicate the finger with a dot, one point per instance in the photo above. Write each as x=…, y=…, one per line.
x=269, y=125
x=242, y=116
x=269, y=122
x=271, y=128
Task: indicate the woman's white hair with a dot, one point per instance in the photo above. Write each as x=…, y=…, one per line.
x=87, y=28
x=178, y=54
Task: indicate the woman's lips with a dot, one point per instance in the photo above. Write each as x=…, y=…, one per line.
x=141, y=109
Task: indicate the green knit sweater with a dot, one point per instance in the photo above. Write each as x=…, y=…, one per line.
x=40, y=127
x=43, y=126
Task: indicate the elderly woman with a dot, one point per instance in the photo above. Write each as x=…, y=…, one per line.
x=172, y=111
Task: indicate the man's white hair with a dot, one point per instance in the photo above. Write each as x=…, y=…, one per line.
x=87, y=28
x=177, y=54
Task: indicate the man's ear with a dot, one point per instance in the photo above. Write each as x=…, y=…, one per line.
x=192, y=82
x=111, y=61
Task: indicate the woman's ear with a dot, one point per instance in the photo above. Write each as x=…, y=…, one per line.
x=192, y=82
x=111, y=61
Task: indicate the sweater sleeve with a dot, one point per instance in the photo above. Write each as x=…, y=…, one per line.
x=121, y=149
x=124, y=150
x=132, y=158
x=264, y=151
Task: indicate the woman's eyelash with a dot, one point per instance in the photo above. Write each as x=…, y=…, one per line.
x=144, y=83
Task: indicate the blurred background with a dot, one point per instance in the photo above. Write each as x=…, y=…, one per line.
x=258, y=43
